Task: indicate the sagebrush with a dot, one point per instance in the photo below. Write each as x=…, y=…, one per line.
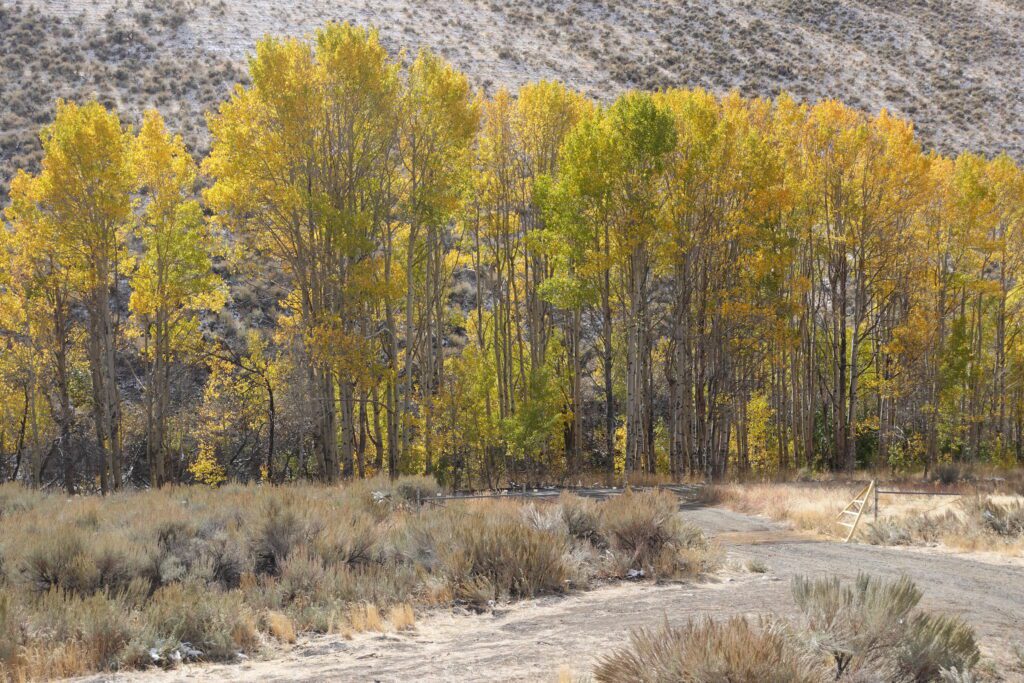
x=179, y=574
x=866, y=630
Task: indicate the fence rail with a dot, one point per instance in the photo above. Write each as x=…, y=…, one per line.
x=893, y=492
x=553, y=493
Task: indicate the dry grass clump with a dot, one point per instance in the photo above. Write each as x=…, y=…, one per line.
x=281, y=626
x=809, y=508
x=496, y=553
x=181, y=574
x=870, y=630
x=975, y=523
x=364, y=617
x=402, y=617
x=735, y=650
x=989, y=523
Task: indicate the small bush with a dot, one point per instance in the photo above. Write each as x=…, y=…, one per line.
x=1004, y=520
x=415, y=489
x=279, y=532
x=64, y=561
x=302, y=577
x=932, y=644
x=200, y=623
x=364, y=617
x=871, y=629
x=582, y=519
x=281, y=627
x=104, y=630
x=756, y=566
x=348, y=541
x=646, y=533
x=736, y=650
x=502, y=550
x=948, y=474
x=402, y=617
x=873, y=626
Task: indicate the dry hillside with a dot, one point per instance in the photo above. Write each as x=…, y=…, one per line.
x=953, y=67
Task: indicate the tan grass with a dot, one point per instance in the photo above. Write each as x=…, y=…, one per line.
x=281, y=627
x=402, y=617
x=903, y=519
x=565, y=674
x=365, y=617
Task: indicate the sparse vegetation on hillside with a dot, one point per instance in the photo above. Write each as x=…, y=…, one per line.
x=129, y=59
x=951, y=66
x=92, y=584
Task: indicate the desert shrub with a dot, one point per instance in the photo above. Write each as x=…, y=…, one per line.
x=933, y=644
x=709, y=651
x=93, y=585
x=56, y=561
x=948, y=473
x=756, y=566
x=646, y=533
x=280, y=626
x=15, y=498
x=378, y=583
x=981, y=522
x=302, y=577
x=116, y=560
x=872, y=628
x=1004, y=520
x=413, y=489
x=199, y=623
x=10, y=637
x=275, y=536
x=582, y=518
x=347, y=540
x=496, y=552
x=104, y=629
x=854, y=622
x=887, y=531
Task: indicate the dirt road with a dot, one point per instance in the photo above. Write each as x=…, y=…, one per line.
x=534, y=640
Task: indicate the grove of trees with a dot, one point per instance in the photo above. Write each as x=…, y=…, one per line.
x=526, y=286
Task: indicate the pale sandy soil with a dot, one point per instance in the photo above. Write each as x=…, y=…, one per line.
x=534, y=640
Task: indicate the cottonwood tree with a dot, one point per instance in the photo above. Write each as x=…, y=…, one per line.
x=298, y=158
x=83, y=195
x=174, y=281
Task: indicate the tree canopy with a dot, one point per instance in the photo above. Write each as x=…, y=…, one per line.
x=377, y=269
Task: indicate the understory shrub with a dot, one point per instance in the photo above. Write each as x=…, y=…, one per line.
x=1002, y=519
x=496, y=553
x=199, y=622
